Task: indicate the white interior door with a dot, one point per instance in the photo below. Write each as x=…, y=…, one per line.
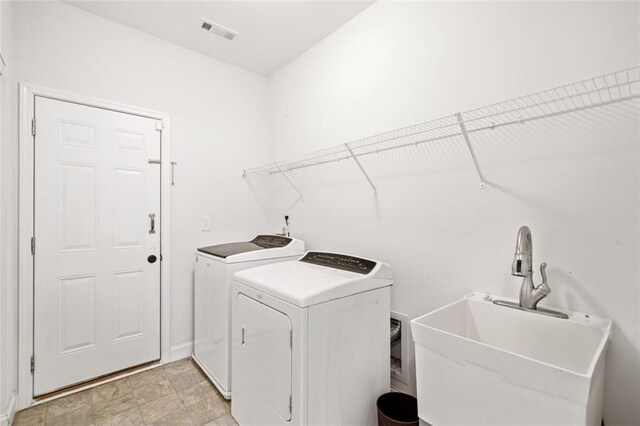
x=96, y=293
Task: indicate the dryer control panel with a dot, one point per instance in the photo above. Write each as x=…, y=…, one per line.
x=271, y=241
x=340, y=261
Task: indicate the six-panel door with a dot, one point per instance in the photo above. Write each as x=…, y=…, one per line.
x=96, y=292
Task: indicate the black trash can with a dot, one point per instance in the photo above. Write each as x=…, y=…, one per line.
x=396, y=408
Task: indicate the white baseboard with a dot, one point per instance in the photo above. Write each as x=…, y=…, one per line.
x=183, y=350
x=7, y=417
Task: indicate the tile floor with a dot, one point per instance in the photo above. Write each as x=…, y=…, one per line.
x=174, y=394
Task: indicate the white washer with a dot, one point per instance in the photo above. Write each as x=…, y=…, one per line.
x=214, y=268
x=311, y=341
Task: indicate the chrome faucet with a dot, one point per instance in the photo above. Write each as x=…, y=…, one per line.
x=530, y=295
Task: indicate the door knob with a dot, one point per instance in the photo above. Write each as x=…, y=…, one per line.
x=152, y=259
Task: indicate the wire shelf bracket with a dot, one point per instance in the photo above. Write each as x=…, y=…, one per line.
x=289, y=180
x=364, y=172
x=465, y=135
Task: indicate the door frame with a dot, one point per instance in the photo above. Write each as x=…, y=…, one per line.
x=26, y=224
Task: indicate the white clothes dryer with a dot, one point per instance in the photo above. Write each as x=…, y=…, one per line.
x=214, y=268
x=311, y=341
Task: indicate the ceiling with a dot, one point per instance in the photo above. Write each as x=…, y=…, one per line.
x=272, y=33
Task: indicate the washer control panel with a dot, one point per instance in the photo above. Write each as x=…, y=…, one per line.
x=270, y=241
x=339, y=261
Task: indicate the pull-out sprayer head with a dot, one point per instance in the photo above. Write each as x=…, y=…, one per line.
x=522, y=259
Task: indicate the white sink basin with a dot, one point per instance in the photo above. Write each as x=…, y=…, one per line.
x=480, y=363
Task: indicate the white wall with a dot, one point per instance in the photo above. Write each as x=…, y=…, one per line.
x=8, y=229
x=218, y=121
x=572, y=179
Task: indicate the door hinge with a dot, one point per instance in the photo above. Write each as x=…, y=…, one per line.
x=291, y=339
x=33, y=126
x=159, y=125
x=33, y=246
x=33, y=363
x=290, y=404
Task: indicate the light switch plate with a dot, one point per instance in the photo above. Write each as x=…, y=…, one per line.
x=206, y=223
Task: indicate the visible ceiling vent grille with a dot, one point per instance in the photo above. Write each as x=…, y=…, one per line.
x=218, y=30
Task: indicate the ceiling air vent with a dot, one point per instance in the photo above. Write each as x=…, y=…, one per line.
x=219, y=30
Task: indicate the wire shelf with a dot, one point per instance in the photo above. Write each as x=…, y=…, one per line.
x=598, y=91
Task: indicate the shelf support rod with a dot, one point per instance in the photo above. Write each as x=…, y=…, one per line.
x=364, y=172
x=288, y=180
x=463, y=129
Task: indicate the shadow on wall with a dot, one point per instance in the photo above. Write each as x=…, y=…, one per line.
x=573, y=179
x=584, y=133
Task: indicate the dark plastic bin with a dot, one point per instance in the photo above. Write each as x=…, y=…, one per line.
x=396, y=408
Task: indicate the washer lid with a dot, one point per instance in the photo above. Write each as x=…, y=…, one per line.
x=317, y=277
x=260, y=242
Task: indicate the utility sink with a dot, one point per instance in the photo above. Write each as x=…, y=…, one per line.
x=481, y=363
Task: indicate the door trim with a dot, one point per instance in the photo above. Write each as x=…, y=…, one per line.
x=26, y=225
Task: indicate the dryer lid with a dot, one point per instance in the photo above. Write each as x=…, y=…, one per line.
x=261, y=242
x=318, y=277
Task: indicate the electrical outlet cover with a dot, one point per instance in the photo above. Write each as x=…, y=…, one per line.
x=206, y=223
